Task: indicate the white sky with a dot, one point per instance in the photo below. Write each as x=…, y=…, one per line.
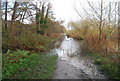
x=64, y=9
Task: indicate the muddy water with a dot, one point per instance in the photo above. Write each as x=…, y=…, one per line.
x=70, y=52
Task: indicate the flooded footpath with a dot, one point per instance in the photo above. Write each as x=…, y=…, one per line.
x=71, y=64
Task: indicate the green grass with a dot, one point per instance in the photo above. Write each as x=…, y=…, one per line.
x=107, y=65
x=20, y=65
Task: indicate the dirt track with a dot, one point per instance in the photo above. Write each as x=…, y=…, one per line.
x=67, y=71
x=71, y=64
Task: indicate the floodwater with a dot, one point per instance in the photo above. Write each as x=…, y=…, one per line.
x=70, y=52
x=68, y=48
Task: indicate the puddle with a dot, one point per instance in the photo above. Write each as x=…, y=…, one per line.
x=69, y=51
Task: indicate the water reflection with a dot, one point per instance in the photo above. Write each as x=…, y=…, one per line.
x=69, y=50
x=68, y=47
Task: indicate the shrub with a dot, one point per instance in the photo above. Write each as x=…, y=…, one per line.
x=28, y=41
x=93, y=44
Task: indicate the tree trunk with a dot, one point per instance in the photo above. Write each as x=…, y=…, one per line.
x=47, y=11
x=119, y=26
x=6, y=14
x=37, y=21
x=101, y=20
x=13, y=16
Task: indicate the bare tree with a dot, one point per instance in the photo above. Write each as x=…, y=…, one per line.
x=99, y=15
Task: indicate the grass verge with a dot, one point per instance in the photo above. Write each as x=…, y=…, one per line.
x=107, y=66
x=20, y=65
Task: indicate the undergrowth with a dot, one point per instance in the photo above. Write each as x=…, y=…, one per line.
x=108, y=66
x=27, y=41
x=20, y=65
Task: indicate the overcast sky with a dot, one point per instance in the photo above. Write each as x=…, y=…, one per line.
x=64, y=9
